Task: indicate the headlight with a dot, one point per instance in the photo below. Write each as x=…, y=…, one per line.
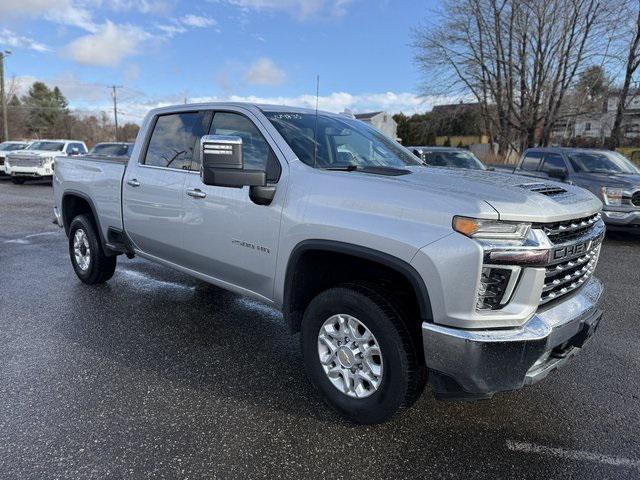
x=491, y=229
x=612, y=196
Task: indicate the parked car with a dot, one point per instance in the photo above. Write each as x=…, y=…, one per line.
x=36, y=161
x=448, y=157
x=112, y=149
x=8, y=147
x=609, y=175
x=394, y=274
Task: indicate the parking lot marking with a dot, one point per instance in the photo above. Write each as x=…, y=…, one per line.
x=24, y=241
x=572, y=454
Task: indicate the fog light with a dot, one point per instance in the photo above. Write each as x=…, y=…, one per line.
x=496, y=286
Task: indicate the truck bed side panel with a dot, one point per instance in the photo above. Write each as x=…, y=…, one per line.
x=98, y=179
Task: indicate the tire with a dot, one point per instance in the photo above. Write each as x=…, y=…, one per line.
x=89, y=262
x=17, y=181
x=403, y=374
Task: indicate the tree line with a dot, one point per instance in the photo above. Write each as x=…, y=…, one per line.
x=528, y=64
x=44, y=112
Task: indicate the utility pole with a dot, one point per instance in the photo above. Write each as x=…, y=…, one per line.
x=5, y=122
x=114, y=94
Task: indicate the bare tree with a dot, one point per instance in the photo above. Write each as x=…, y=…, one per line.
x=632, y=38
x=517, y=58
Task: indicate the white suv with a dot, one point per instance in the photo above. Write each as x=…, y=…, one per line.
x=36, y=161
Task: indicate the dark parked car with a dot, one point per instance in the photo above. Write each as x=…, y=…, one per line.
x=448, y=157
x=609, y=175
x=114, y=149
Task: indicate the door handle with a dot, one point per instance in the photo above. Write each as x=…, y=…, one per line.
x=196, y=193
x=133, y=182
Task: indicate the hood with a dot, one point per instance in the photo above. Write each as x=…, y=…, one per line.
x=514, y=197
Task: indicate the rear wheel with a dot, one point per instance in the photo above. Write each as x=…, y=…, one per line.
x=17, y=181
x=89, y=261
x=358, y=353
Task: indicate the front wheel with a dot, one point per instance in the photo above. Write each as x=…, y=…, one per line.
x=359, y=354
x=89, y=261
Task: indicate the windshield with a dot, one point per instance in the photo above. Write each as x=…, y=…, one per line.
x=453, y=159
x=340, y=142
x=5, y=147
x=48, y=146
x=111, y=149
x=601, y=163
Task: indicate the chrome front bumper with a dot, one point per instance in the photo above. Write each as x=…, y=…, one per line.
x=621, y=219
x=469, y=364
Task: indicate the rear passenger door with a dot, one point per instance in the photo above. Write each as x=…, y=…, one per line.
x=228, y=236
x=153, y=188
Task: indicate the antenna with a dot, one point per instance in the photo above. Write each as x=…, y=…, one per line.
x=315, y=128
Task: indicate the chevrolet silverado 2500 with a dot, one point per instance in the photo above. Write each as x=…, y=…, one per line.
x=395, y=274
x=37, y=160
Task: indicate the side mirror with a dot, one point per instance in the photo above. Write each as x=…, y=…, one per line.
x=75, y=151
x=223, y=165
x=557, y=173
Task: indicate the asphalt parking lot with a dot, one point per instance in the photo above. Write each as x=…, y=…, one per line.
x=156, y=374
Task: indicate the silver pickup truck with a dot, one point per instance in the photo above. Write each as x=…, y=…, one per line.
x=394, y=273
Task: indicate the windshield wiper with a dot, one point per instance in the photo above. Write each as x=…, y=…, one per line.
x=378, y=170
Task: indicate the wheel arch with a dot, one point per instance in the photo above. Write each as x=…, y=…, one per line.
x=295, y=300
x=75, y=203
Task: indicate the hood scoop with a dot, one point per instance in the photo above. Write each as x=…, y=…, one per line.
x=544, y=189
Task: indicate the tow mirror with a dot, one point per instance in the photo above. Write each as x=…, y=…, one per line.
x=557, y=173
x=223, y=165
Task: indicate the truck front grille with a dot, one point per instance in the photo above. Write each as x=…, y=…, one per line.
x=25, y=161
x=635, y=199
x=562, y=232
x=565, y=277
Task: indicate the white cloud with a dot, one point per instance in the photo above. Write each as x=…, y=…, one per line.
x=181, y=25
x=142, y=6
x=264, y=72
x=171, y=30
x=197, y=21
x=66, y=12
x=299, y=8
x=13, y=40
x=108, y=46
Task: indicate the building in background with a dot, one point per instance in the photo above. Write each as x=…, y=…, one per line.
x=382, y=121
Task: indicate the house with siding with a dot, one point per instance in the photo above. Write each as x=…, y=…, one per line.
x=381, y=121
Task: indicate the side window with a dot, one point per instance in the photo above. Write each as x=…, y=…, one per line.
x=70, y=147
x=553, y=161
x=531, y=161
x=256, y=152
x=174, y=139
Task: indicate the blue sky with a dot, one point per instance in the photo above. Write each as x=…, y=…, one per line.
x=162, y=51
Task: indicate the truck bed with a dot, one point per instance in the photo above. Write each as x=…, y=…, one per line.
x=96, y=178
